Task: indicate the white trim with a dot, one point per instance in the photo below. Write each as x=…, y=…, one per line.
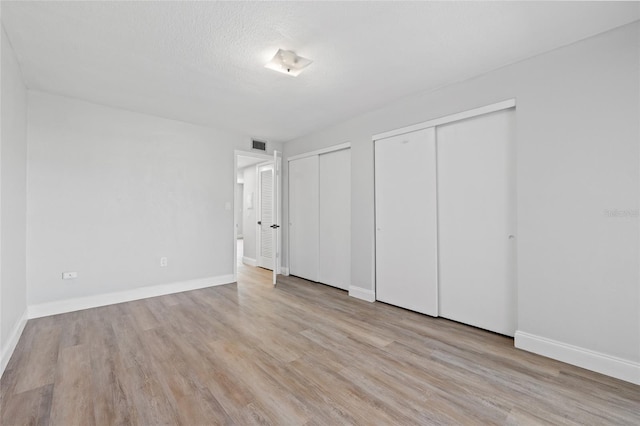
x=591, y=360
x=7, y=351
x=284, y=270
x=238, y=152
x=362, y=293
x=333, y=148
x=80, y=303
x=509, y=103
x=249, y=261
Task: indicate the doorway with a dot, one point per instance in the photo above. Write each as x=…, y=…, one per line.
x=257, y=213
x=245, y=214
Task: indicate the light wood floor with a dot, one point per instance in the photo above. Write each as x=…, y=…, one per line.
x=296, y=354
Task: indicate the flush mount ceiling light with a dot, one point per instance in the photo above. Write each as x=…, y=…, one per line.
x=287, y=62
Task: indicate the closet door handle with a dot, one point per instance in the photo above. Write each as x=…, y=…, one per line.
x=259, y=222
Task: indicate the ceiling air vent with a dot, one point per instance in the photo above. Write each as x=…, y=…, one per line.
x=262, y=146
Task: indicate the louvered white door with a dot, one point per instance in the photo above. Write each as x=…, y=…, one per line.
x=266, y=217
x=276, y=228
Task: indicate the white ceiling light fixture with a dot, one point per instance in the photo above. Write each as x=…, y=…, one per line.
x=287, y=62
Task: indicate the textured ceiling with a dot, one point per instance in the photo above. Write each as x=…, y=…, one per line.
x=203, y=62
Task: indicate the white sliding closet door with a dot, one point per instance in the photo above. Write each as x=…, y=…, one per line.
x=406, y=221
x=304, y=217
x=476, y=210
x=335, y=218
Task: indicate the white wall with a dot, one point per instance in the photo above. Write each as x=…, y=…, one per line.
x=249, y=213
x=13, y=179
x=577, y=156
x=111, y=191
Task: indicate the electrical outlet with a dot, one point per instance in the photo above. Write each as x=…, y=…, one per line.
x=163, y=262
x=69, y=275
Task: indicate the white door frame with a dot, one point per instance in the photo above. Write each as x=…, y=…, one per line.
x=238, y=153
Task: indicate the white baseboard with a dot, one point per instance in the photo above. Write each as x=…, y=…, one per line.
x=7, y=351
x=80, y=303
x=249, y=261
x=284, y=271
x=595, y=361
x=362, y=293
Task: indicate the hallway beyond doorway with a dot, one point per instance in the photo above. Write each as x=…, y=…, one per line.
x=251, y=275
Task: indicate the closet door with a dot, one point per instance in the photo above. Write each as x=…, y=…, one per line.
x=476, y=203
x=335, y=218
x=406, y=222
x=304, y=217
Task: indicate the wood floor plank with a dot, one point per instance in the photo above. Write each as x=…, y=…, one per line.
x=299, y=353
x=144, y=318
x=72, y=402
x=108, y=372
x=39, y=367
x=141, y=381
x=32, y=407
